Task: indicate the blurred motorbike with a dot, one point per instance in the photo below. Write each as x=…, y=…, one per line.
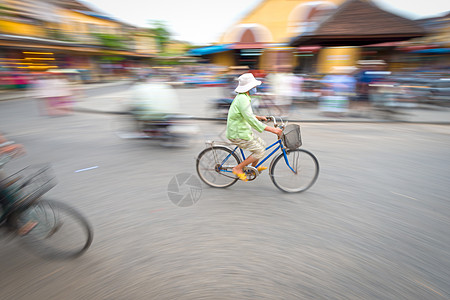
x=221, y=106
x=153, y=113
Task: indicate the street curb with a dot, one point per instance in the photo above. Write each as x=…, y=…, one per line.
x=100, y=85
x=14, y=98
x=78, y=88
x=93, y=111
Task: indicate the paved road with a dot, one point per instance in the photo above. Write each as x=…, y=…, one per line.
x=104, y=89
x=198, y=103
x=375, y=225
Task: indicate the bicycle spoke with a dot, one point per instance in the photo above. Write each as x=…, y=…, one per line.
x=209, y=167
x=61, y=232
x=306, y=169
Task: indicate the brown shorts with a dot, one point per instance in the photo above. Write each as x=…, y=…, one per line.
x=255, y=145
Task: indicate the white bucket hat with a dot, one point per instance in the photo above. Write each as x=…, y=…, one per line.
x=246, y=82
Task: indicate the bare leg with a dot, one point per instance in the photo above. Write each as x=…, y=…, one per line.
x=255, y=163
x=249, y=160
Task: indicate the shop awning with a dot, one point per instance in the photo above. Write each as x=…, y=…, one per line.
x=210, y=49
x=308, y=49
x=433, y=51
x=249, y=46
x=386, y=44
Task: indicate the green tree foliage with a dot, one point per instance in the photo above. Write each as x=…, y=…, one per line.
x=111, y=41
x=6, y=10
x=161, y=33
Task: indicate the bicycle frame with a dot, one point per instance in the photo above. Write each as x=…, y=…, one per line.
x=279, y=146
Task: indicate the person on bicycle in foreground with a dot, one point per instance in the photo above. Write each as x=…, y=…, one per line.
x=240, y=122
x=13, y=149
x=7, y=148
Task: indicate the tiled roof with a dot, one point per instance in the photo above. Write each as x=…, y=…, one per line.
x=360, y=22
x=74, y=4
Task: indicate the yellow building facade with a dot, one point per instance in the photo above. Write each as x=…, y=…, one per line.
x=145, y=43
x=223, y=59
x=62, y=36
x=16, y=27
x=276, y=21
x=272, y=24
x=12, y=20
x=329, y=58
x=79, y=24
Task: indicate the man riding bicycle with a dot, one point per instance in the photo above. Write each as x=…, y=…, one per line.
x=240, y=122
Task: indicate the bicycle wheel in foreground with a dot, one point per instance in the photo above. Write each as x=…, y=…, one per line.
x=306, y=168
x=61, y=231
x=211, y=164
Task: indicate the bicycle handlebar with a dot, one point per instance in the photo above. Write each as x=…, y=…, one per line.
x=270, y=118
x=275, y=124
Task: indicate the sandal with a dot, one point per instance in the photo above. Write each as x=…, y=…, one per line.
x=261, y=168
x=241, y=176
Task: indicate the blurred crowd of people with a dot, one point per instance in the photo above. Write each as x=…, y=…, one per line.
x=368, y=83
x=283, y=87
x=15, y=80
x=55, y=94
x=53, y=90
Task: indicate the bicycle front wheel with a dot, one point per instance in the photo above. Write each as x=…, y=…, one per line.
x=214, y=166
x=304, y=172
x=59, y=230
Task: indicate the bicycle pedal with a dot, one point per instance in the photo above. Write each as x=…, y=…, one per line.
x=251, y=172
x=251, y=169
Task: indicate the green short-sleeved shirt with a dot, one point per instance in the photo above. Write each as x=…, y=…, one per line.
x=241, y=119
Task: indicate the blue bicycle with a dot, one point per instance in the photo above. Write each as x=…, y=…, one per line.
x=293, y=170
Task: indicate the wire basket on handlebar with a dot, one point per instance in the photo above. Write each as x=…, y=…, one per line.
x=28, y=185
x=292, y=137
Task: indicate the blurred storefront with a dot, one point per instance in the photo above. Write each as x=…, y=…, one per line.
x=312, y=36
x=37, y=36
x=357, y=30
x=260, y=40
x=431, y=51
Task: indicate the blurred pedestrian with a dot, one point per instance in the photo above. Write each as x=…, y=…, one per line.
x=54, y=90
x=337, y=88
x=282, y=88
x=297, y=87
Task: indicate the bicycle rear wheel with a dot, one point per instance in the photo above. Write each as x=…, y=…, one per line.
x=214, y=166
x=306, y=171
x=60, y=231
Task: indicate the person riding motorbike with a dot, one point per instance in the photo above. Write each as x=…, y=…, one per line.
x=155, y=107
